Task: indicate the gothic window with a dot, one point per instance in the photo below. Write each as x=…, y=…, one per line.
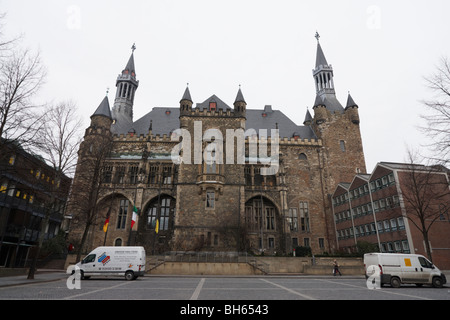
x=248, y=176
x=270, y=218
x=122, y=216
x=120, y=175
x=166, y=211
x=342, y=144
x=293, y=219
x=107, y=174
x=153, y=175
x=211, y=165
x=304, y=216
x=134, y=174
x=118, y=242
x=210, y=199
x=255, y=220
x=167, y=175
x=302, y=156
x=258, y=178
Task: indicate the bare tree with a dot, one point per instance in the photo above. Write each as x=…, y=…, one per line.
x=58, y=141
x=60, y=136
x=424, y=189
x=87, y=186
x=21, y=76
x=438, y=120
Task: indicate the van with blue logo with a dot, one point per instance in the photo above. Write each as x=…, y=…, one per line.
x=113, y=261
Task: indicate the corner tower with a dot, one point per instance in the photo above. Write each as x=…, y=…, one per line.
x=126, y=85
x=338, y=127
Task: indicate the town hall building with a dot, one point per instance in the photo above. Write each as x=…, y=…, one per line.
x=270, y=193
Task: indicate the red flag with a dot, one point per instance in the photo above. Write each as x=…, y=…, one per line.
x=105, y=225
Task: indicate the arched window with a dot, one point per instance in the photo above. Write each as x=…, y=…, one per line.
x=118, y=242
x=302, y=156
x=164, y=216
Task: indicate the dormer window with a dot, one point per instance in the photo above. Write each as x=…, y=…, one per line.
x=132, y=132
x=212, y=106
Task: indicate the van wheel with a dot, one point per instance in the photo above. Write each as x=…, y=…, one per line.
x=437, y=282
x=395, y=282
x=129, y=275
x=83, y=277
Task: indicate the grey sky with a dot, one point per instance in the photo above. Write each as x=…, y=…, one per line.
x=380, y=51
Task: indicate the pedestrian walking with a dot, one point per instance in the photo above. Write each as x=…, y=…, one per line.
x=336, y=268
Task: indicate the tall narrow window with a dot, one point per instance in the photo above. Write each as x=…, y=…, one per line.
x=293, y=219
x=210, y=199
x=270, y=218
x=107, y=174
x=342, y=143
x=153, y=174
x=304, y=216
x=211, y=165
x=134, y=174
x=120, y=175
x=167, y=175
x=165, y=214
x=122, y=216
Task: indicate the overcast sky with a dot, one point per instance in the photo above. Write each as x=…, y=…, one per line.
x=380, y=52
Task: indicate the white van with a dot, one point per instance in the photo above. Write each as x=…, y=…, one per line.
x=113, y=261
x=396, y=269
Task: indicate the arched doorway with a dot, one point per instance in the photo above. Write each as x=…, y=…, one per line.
x=263, y=225
x=114, y=218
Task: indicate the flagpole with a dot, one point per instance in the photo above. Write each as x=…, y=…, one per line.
x=108, y=215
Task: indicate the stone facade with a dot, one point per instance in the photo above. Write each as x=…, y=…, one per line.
x=215, y=204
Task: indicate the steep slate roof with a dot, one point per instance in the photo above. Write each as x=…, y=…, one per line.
x=350, y=102
x=320, y=57
x=220, y=104
x=330, y=101
x=240, y=97
x=130, y=64
x=166, y=119
x=103, y=109
x=187, y=95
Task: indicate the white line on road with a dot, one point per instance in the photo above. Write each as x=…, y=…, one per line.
x=289, y=290
x=380, y=291
x=198, y=289
x=95, y=291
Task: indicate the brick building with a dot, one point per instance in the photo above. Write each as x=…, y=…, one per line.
x=383, y=208
x=29, y=191
x=228, y=201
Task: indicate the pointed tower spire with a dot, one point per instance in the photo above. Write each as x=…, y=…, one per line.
x=350, y=102
x=187, y=94
x=240, y=96
x=240, y=105
x=103, y=109
x=127, y=85
x=323, y=72
x=186, y=102
x=308, y=118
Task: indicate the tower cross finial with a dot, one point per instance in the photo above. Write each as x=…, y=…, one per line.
x=133, y=47
x=317, y=36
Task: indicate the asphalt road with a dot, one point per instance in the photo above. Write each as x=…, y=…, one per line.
x=267, y=288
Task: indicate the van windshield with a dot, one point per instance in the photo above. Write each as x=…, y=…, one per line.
x=89, y=258
x=425, y=263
